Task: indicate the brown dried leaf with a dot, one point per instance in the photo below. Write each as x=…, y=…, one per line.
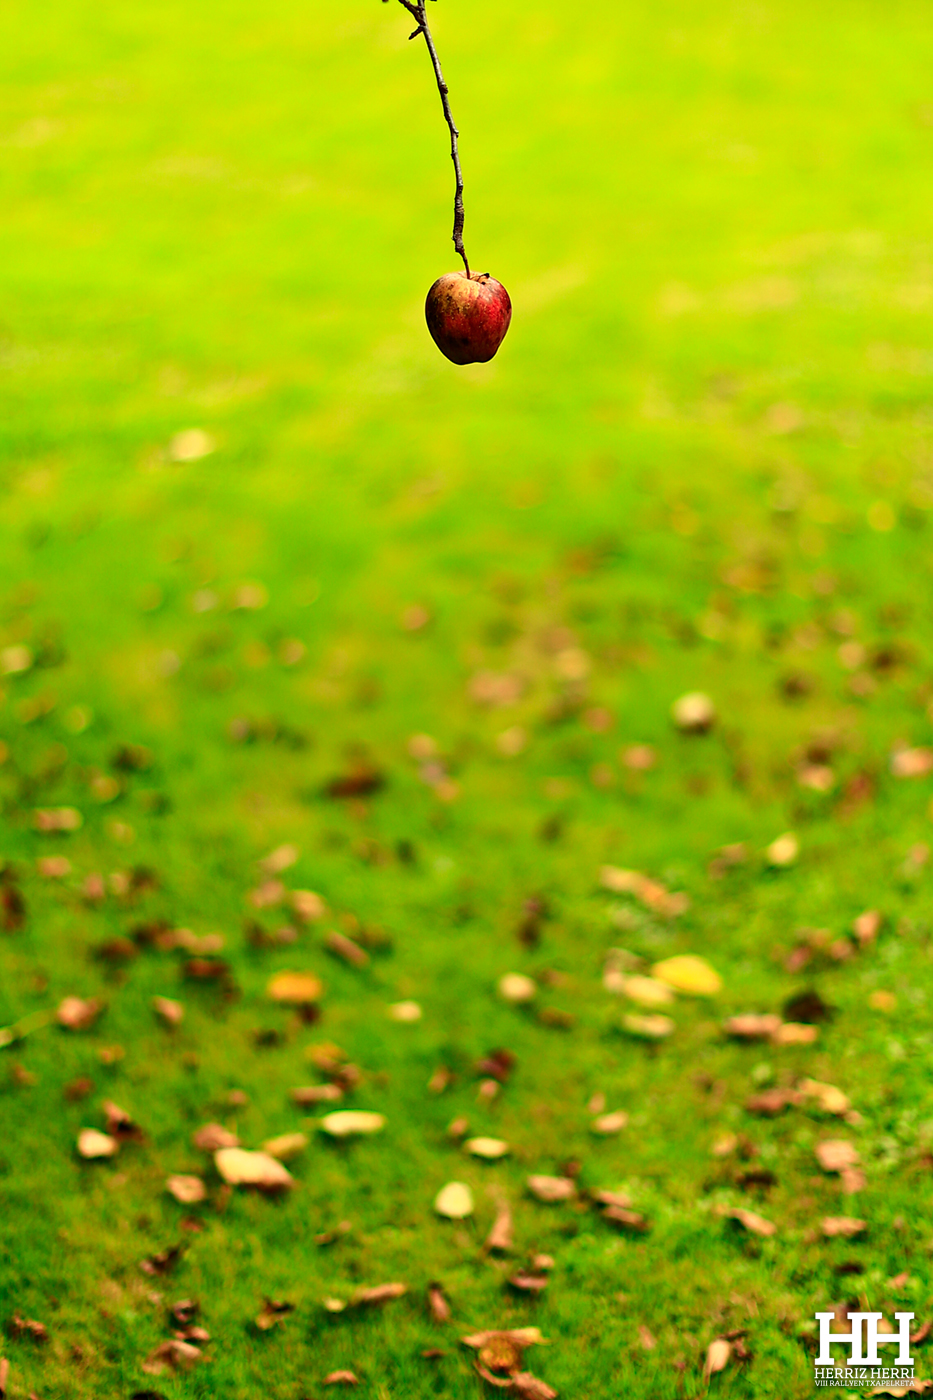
x=717, y=1356
x=272, y=1314
x=751, y=1026
x=757, y=1224
x=171, y=1012
x=240, y=1168
x=438, y=1306
x=170, y=1357
x=795, y=1033
x=525, y=1282
x=77, y=1014
x=188, y=1190
x=613, y=1198
x=295, y=988
x=500, y=1236
x=845, y=1225
x=382, y=1293
x=317, y=1093
x=836, y=1154
x=341, y=1378
x=345, y=948
x=827, y=1096
x=213, y=1136
x=162, y=1263
x=26, y=1327
x=628, y=1219
x=609, y=1123
x=647, y=1338
x=551, y=1188
x=771, y=1102
x=529, y=1387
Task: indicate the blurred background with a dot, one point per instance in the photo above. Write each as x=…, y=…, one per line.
x=254, y=527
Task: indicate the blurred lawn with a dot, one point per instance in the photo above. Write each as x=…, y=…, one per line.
x=702, y=459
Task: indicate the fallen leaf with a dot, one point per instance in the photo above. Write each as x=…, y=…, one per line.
x=753, y=1027
x=382, y=1293
x=406, y=1012
x=213, y=1136
x=287, y=1146
x=650, y=892
x=525, y=1282
x=438, y=1305
x=648, y=1027
x=455, y=1201
x=186, y=1189
x=882, y=1001
x=53, y=867
x=345, y=948
x=520, y=1336
x=171, y=1012
x=490, y=1148
x=828, y=1097
x=272, y=1314
x=783, y=851
x=717, y=1356
x=609, y=1123
x=836, y=1154
x=317, y=1093
x=552, y=1188
x=349, y=1122
x=92, y=1144
x=757, y=1224
x=163, y=1262
x=498, y=1064
x=295, y=988
x=4, y=1376
x=76, y=1014
x=27, y=1327
x=688, y=973
x=867, y=926
x=771, y=1102
x=647, y=1338
x=529, y=1387
x=795, y=1033
x=341, y=1378
x=845, y=1225
x=621, y=1199
x=516, y=988
x=331, y=1236
x=645, y=991
x=912, y=763
x=240, y=1168
x=693, y=713
x=500, y=1236
x=627, y=1219
x=171, y=1356
x=307, y=905
x=852, y=1179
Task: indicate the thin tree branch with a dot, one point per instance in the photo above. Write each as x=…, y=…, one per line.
x=417, y=9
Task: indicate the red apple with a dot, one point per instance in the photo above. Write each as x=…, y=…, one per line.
x=468, y=316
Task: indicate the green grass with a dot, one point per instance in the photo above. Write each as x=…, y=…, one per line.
x=715, y=226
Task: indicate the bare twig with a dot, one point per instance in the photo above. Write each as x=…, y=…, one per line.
x=417, y=9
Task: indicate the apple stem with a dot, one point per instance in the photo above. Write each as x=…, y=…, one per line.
x=417, y=9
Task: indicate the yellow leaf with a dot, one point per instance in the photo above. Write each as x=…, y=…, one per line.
x=241, y=1168
x=298, y=988
x=690, y=974
x=455, y=1201
x=348, y=1122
